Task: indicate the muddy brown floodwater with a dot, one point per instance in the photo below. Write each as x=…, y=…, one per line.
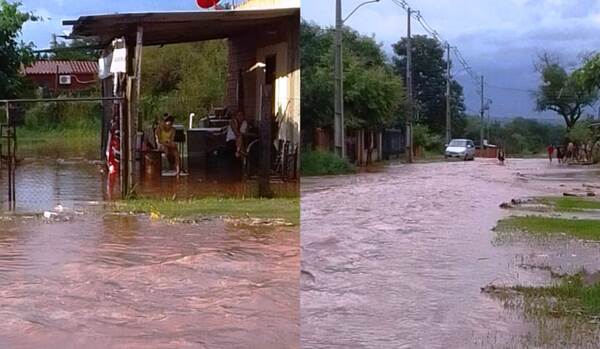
x=111, y=281
x=397, y=259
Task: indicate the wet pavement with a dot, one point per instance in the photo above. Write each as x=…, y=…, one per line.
x=102, y=280
x=397, y=259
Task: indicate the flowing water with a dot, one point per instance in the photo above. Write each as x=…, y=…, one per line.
x=397, y=259
x=101, y=280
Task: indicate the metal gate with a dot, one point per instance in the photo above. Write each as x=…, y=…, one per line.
x=8, y=148
x=8, y=136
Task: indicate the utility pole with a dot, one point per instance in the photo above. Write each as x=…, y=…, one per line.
x=482, y=112
x=448, y=111
x=339, y=129
x=409, y=118
x=338, y=103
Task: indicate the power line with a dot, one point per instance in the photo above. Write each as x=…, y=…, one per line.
x=510, y=88
x=434, y=34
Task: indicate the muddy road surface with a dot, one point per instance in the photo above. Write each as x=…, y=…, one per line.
x=397, y=259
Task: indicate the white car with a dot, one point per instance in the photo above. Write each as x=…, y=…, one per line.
x=460, y=148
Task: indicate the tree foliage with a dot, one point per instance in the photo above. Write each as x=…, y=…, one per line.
x=183, y=78
x=519, y=136
x=589, y=74
x=423, y=137
x=562, y=92
x=73, y=50
x=373, y=94
x=429, y=84
x=13, y=53
x=581, y=133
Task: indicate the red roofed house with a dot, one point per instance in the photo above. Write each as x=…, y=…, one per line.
x=63, y=76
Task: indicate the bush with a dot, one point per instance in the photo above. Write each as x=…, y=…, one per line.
x=54, y=116
x=61, y=130
x=317, y=163
x=424, y=138
x=581, y=133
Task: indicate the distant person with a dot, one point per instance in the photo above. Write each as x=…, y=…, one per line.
x=570, y=151
x=165, y=141
x=501, y=156
x=559, y=154
x=550, y=150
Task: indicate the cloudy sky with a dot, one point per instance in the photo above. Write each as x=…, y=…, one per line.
x=499, y=39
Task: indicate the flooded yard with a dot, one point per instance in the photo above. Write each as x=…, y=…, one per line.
x=103, y=280
x=398, y=259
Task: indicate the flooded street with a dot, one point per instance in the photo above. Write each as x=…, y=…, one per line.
x=103, y=280
x=397, y=259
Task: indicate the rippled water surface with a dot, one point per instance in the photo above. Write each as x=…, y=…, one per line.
x=107, y=281
x=397, y=259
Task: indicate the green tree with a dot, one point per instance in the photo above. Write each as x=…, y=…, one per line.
x=13, y=53
x=581, y=133
x=589, y=73
x=183, y=78
x=73, y=50
x=562, y=92
x=519, y=136
x=424, y=138
x=373, y=94
x=429, y=82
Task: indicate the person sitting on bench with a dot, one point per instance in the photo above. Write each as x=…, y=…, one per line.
x=165, y=141
x=236, y=132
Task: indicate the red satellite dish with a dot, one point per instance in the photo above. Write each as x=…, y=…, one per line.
x=207, y=3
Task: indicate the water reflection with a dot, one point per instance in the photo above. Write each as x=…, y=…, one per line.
x=41, y=184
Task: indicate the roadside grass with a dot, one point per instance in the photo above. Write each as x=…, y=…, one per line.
x=321, y=163
x=571, y=296
x=59, y=143
x=588, y=229
x=287, y=209
x=570, y=203
x=430, y=156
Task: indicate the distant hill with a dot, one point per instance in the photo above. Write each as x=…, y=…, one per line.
x=543, y=120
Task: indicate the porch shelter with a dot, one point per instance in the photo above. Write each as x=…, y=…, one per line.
x=263, y=51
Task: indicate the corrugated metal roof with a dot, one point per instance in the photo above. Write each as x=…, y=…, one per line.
x=64, y=67
x=178, y=27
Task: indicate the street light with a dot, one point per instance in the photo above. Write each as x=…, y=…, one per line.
x=338, y=125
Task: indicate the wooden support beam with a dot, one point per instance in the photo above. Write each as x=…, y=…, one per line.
x=264, y=171
x=139, y=47
x=130, y=133
x=133, y=110
x=123, y=112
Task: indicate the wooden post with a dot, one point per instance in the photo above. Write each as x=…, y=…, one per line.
x=9, y=159
x=264, y=172
x=123, y=111
x=133, y=110
x=139, y=44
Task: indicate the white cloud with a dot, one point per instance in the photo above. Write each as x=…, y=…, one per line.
x=499, y=38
